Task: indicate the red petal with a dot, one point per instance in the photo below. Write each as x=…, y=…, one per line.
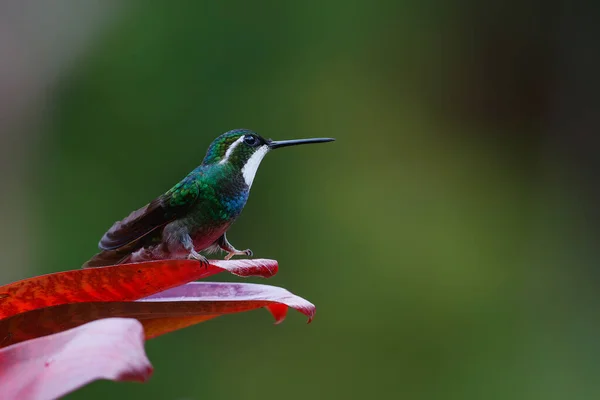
x=117, y=283
x=262, y=267
x=164, y=312
x=52, y=366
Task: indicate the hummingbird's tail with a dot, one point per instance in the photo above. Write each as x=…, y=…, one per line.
x=106, y=258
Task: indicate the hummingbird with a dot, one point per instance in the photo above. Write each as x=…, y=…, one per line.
x=195, y=214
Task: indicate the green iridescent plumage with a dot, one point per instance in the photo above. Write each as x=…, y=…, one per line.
x=218, y=148
x=185, y=192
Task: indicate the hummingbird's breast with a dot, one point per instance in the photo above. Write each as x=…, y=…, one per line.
x=221, y=201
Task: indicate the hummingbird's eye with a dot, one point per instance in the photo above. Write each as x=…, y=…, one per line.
x=250, y=140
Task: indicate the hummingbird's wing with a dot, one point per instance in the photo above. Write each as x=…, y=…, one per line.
x=156, y=214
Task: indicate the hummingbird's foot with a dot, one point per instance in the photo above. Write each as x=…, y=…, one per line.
x=194, y=255
x=246, y=252
x=231, y=251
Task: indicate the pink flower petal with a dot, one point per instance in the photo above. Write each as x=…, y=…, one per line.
x=52, y=366
x=277, y=299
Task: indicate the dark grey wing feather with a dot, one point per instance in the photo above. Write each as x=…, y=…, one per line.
x=156, y=214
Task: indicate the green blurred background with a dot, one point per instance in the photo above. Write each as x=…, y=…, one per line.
x=447, y=237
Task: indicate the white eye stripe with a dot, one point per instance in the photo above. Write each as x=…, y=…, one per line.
x=230, y=149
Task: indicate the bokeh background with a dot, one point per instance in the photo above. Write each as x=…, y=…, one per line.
x=449, y=237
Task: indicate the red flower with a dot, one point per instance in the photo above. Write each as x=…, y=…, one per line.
x=49, y=345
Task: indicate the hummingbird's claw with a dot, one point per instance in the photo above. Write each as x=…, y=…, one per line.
x=246, y=252
x=194, y=255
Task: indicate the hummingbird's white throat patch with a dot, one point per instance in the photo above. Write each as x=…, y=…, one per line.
x=231, y=148
x=251, y=166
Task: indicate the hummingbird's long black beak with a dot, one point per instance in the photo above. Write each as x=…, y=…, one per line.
x=284, y=143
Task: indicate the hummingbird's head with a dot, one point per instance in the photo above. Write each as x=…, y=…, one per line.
x=245, y=149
